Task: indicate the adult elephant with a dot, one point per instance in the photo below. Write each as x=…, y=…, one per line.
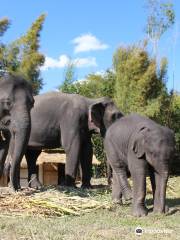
x=141, y=144
x=16, y=101
x=60, y=119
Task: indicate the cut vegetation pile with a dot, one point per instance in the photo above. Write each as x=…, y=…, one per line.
x=51, y=202
x=61, y=201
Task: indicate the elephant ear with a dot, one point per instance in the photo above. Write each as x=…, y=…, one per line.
x=96, y=112
x=138, y=144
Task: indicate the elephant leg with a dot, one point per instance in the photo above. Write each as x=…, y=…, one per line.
x=72, y=159
x=160, y=192
x=121, y=176
x=61, y=174
x=137, y=168
x=31, y=157
x=153, y=185
x=4, y=144
x=139, y=193
x=109, y=174
x=116, y=190
x=86, y=154
x=120, y=182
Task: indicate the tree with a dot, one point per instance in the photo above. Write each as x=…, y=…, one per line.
x=22, y=56
x=68, y=85
x=4, y=25
x=160, y=18
x=101, y=84
x=31, y=59
x=139, y=87
x=94, y=85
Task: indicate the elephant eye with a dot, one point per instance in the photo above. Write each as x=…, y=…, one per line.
x=115, y=116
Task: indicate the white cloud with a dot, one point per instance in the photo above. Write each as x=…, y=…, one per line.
x=88, y=42
x=101, y=73
x=61, y=62
x=85, y=62
x=64, y=60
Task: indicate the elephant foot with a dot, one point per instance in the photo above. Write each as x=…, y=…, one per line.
x=62, y=183
x=140, y=211
x=70, y=181
x=14, y=188
x=160, y=210
x=34, y=182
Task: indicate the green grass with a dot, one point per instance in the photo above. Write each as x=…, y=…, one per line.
x=113, y=223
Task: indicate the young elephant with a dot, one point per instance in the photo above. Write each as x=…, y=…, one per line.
x=141, y=144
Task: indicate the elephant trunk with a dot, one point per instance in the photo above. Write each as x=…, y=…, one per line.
x=160, y=192
x=20, y=133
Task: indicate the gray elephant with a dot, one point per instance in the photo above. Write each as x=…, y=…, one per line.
x=60, y=119
x=141, y=144
x=16, y=101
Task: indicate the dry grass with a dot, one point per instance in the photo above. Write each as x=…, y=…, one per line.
x=49, y=202
x=70, y=214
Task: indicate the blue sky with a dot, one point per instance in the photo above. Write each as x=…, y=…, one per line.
x=88, y=32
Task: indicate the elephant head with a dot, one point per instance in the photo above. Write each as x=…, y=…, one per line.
x=103, y=113
x=156, y=143
x=16, y=101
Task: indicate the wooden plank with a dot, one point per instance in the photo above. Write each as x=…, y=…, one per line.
x=50, y=174
x=41, y=173
x=3, y=181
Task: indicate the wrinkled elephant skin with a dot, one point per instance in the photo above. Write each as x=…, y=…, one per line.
x=16, y=101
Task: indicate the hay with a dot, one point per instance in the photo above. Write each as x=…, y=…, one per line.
x=49, y=203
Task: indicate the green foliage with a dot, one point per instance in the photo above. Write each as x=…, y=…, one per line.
x=175, y=117
x=101, y=84
x=68, y=86
x=94, y=86
x=22, y=56
x=98, y=149
x=4, y=25
x=139, y=86
x=31, y=59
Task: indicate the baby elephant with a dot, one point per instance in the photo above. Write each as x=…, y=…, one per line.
x=141, y=144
